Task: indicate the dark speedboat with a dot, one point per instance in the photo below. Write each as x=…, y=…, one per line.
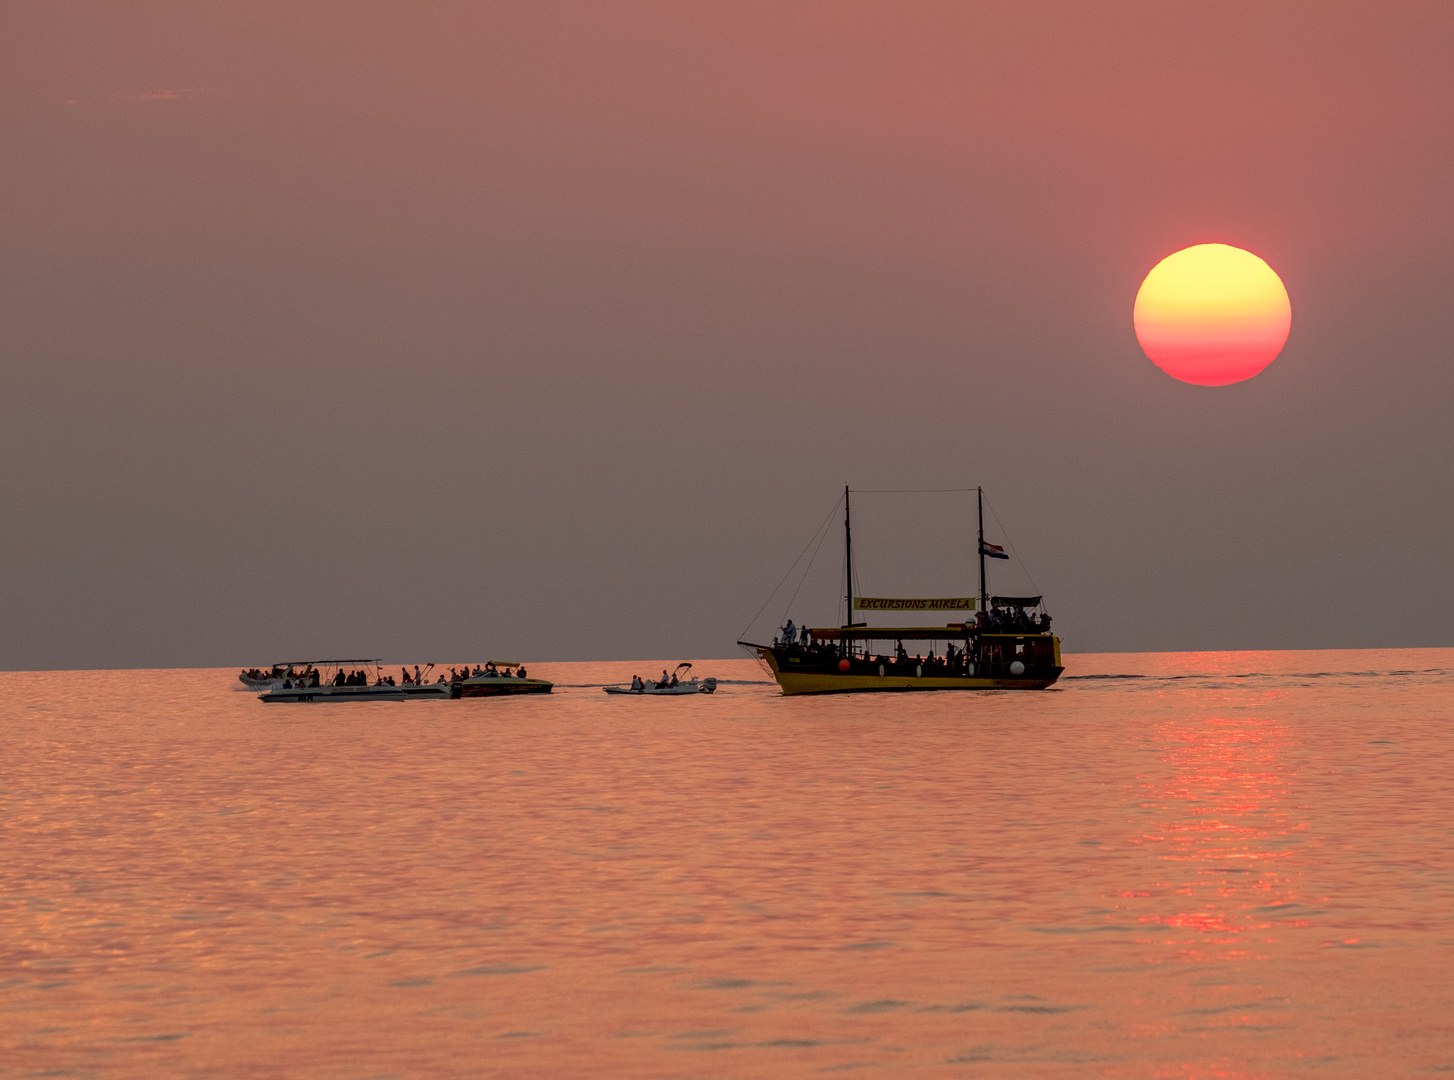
x=1006, y=646
x=501, y=677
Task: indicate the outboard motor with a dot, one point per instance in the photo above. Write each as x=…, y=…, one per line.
x=709, y=685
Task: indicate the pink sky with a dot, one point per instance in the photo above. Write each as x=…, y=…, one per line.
x=468, y=252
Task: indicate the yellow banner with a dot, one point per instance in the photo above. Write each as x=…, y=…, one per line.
x=878, y=603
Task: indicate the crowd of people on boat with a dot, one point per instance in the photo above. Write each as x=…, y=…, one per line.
x=955, y=661
x=666, y=682
x=1012, y=620
x=310, y=676
x=489, y=671
x=998, y=620
x=278, y=671
x=794, y=635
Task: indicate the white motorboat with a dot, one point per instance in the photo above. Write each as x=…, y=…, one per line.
x=350, y=681
x=372, y=692
x=681, y=681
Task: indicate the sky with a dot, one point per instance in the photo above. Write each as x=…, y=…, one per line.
x=553, y=331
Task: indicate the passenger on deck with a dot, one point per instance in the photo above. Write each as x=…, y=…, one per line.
x=673, y=680
x=900, y=653
x=661, y=685
x=806, y=637
x=338, y=679
x=520, y=672
x=790, y=633
x=636, y=683
x=405, y=673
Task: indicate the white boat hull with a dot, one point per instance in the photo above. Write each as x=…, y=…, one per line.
x=707, y=686
x=317, y=694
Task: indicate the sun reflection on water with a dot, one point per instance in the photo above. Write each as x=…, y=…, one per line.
x=1225, y=831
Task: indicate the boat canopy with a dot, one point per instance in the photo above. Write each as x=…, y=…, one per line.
x=890, y=633
x=297, y=663
x=1014, y=601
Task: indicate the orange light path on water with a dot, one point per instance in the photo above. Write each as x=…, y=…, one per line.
x=1212, y=314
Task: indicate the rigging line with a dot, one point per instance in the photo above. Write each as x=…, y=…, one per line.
x=1006, y=533
x=799, y=559
x=824, y=536
x=908, y=491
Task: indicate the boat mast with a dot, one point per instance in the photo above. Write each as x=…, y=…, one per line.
x=847, y=561
x=984, y=593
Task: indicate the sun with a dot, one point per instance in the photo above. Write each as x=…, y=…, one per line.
x=1212, y=315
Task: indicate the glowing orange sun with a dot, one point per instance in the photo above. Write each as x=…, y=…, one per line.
x=1212, y=315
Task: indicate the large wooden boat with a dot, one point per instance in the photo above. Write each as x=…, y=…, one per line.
x=1007, y=645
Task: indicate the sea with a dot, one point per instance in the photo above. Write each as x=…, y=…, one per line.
x=1186, y=865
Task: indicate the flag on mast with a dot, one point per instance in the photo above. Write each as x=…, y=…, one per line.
x=994, y=551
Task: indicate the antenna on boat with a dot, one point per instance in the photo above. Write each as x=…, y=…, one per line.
x=984, y=593
x=847, y=561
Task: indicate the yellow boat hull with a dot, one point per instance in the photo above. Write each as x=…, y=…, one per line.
x=834, y=682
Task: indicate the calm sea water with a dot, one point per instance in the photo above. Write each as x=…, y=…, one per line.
x=1177, y=865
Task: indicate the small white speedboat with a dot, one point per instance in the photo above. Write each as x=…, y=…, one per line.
x=681, y=681
x=264, y=679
